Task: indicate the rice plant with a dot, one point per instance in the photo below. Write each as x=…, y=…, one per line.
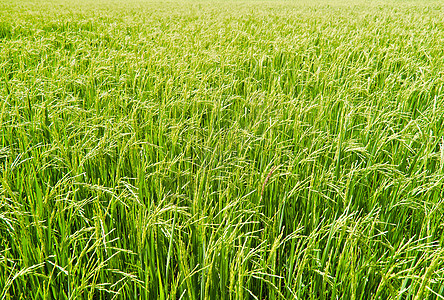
x=221, y=150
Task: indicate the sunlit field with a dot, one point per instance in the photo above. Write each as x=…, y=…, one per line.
x=221, y=150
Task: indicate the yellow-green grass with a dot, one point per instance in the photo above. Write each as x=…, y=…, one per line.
x=221, y=150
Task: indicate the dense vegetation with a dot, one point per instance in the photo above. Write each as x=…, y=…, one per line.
x=221, y=150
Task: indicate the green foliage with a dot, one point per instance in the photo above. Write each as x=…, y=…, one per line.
x=221, y=150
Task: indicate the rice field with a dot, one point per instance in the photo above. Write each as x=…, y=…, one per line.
x=221, y=149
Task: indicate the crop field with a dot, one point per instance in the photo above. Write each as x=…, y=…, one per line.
x=221, y=149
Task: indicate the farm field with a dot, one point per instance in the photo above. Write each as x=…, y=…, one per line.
x=221, y=149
